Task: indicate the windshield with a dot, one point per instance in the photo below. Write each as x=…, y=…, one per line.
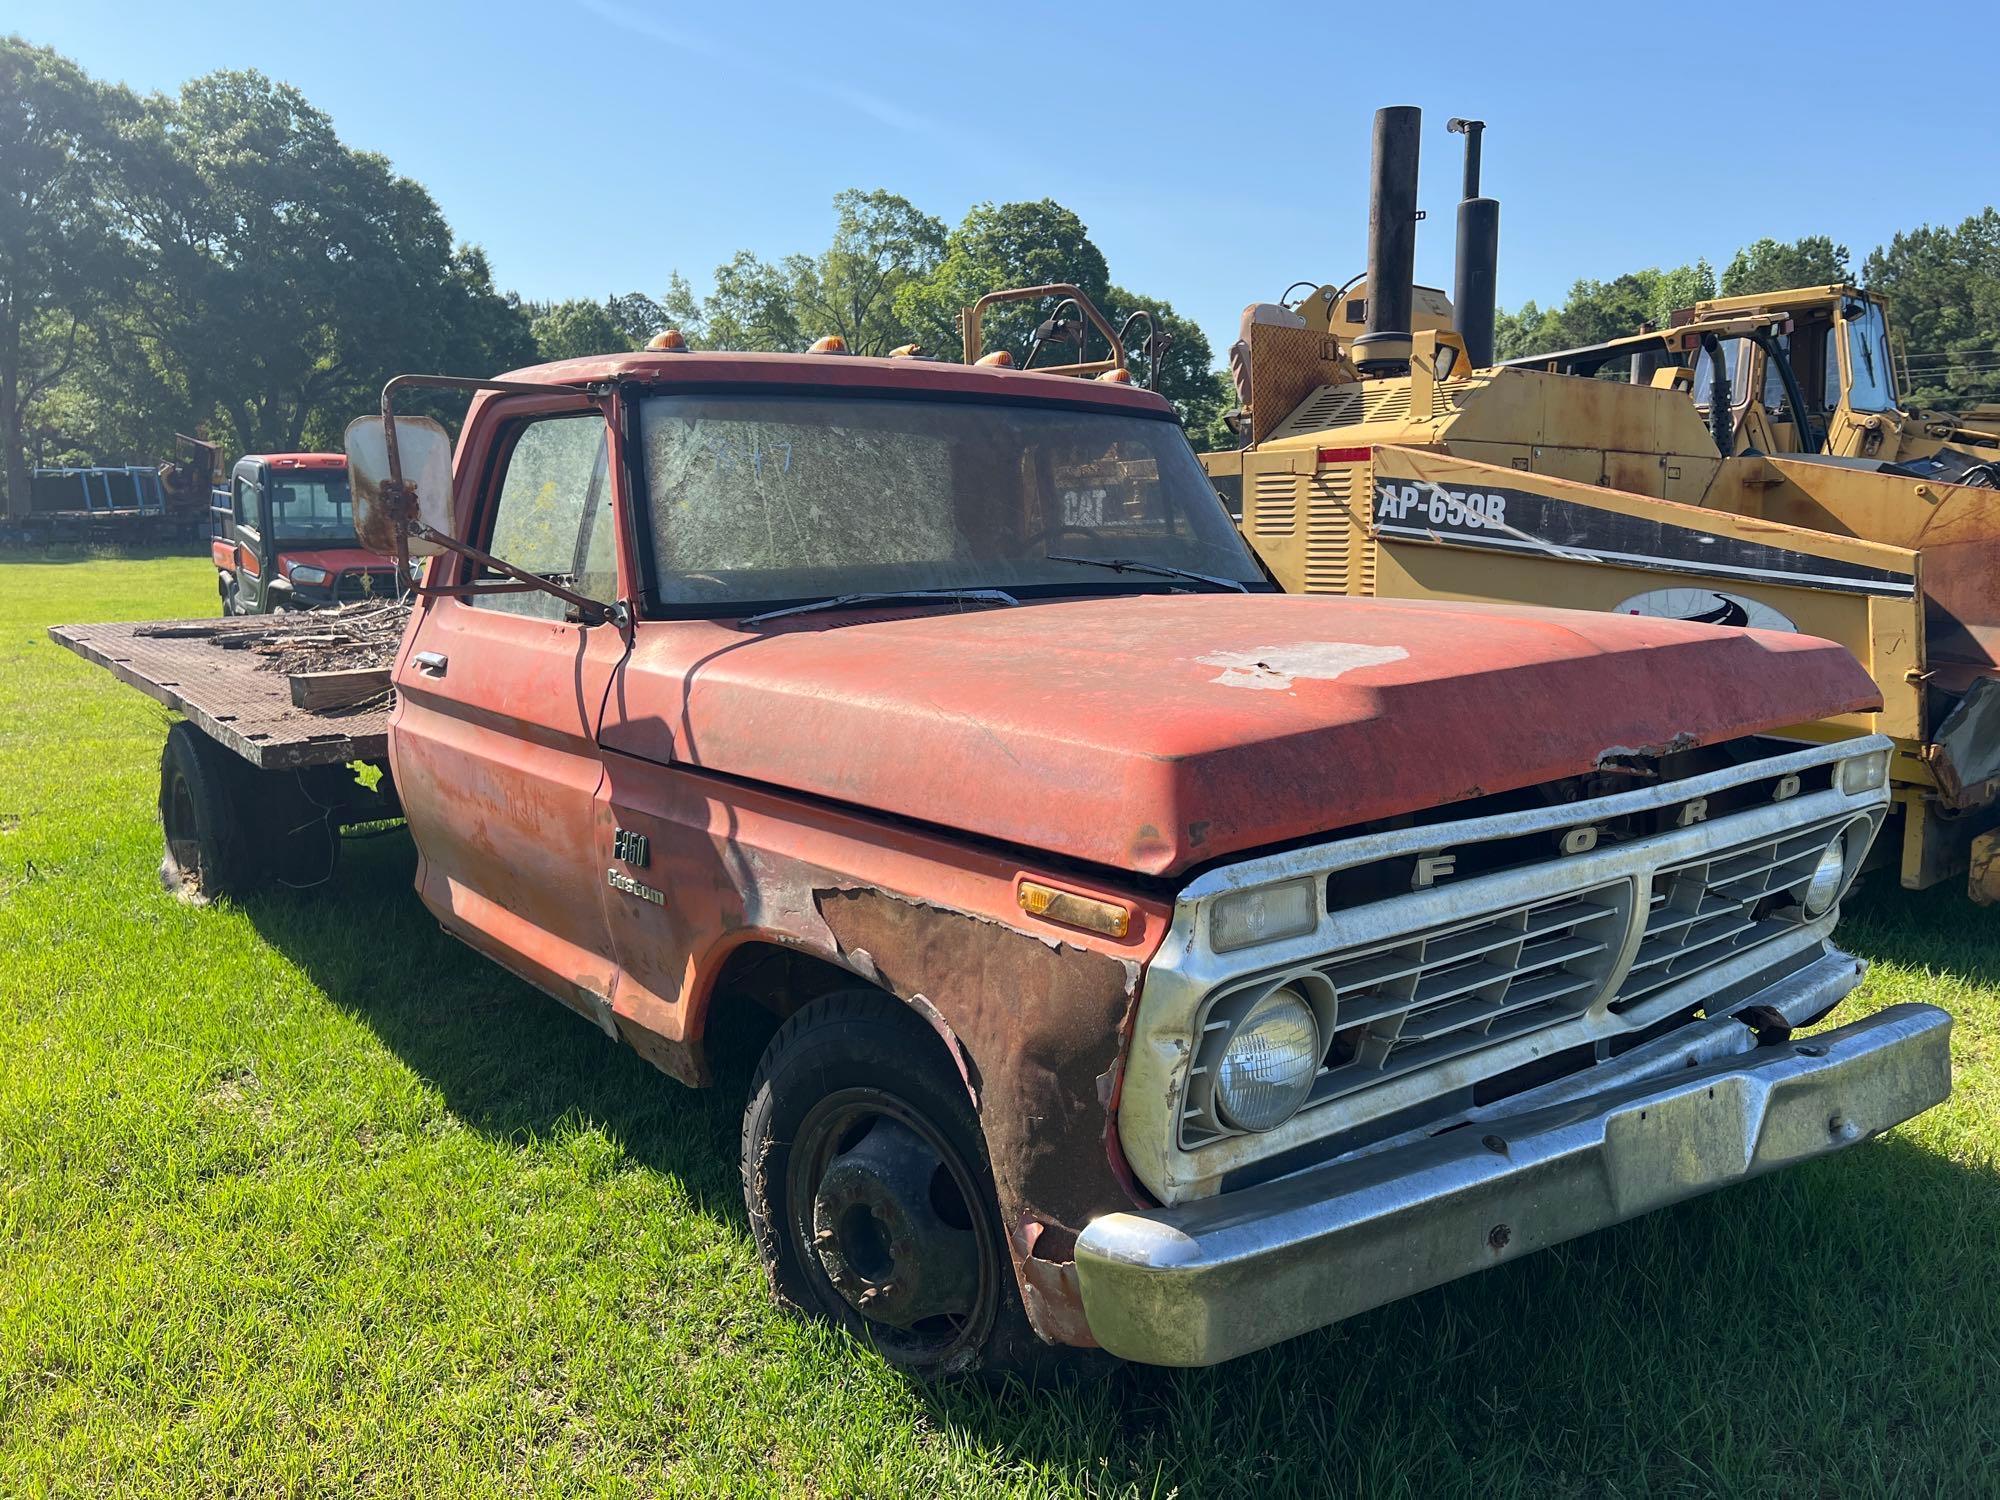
x=769, y=499
x=1869, y=386
x=310, y=505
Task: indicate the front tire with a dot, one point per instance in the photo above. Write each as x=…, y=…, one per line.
x=865, y=1177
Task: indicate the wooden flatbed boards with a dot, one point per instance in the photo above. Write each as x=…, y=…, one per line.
x=206, y=671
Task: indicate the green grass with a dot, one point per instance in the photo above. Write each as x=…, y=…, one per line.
x=302, y=1197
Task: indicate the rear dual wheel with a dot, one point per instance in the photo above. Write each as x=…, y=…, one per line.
x=869, y=1196
x=228, y=826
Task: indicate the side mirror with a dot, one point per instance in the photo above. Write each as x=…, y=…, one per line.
x=423, y=449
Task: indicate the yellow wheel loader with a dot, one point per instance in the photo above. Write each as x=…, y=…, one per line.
x=1398, y=462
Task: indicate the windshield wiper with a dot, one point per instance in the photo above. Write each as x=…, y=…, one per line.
x=890, y=596
x=1129, y=565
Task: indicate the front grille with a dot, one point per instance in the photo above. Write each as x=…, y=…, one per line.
x=1437, y=994
x=1445, y=991
x=1707, y=910
x=378, y=583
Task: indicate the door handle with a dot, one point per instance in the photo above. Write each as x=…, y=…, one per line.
x=430, y=663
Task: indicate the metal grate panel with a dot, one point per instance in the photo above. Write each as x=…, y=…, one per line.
x=1435, y=995
x=1364, y=401
x=1274, y=505
x=1708, y=910
x=1329, y=530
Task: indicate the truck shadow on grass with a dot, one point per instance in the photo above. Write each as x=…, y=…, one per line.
x=1826, y=1326
x=510, y=1062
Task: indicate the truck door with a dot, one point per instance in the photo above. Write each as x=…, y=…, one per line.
x=494, y=749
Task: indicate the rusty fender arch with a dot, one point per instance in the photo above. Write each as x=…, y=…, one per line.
x=1040, y=1028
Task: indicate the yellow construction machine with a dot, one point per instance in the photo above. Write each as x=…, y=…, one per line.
x=1398, y=462
x=1837, y=342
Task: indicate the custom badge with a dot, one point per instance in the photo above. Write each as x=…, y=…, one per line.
x=618, y=880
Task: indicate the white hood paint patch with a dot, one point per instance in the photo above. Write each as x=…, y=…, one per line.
x=1276, y=667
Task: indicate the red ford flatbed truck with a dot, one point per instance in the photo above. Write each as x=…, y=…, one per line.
x=1157, y=961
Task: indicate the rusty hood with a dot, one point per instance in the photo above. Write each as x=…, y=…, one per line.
x=1157, y=732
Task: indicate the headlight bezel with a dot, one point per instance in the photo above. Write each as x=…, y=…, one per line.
x=1221, y=1021
x=308, y=574
x=1280, y=1005
x=1844, y=843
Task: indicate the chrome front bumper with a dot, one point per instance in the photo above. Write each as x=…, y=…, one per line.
x=1206, y=1281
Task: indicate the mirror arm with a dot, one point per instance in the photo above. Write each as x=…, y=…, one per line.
x=593, y=611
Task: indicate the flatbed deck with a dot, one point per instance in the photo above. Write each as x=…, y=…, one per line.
x=206, y=671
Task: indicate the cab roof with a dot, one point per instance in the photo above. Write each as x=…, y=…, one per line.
x=844, y=371
x=297, y=460
x=1830, y=295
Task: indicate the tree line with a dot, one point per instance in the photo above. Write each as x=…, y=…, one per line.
x=894, y=276
x=218, y=262
x=1942, y=286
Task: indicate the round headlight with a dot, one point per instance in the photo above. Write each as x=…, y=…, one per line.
x=1268, y=1064
x=1827, y=875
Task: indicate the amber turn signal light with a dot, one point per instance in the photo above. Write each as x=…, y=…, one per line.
x=1087, y=912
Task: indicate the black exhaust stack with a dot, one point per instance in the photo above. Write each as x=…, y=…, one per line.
x=1384, y=348
x=1475, y=282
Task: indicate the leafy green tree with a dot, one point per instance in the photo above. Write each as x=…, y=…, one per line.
x=285, y=275
x=1681, y=287
x=1943, y=290
x=995, y=246
x=1596, y=311
x=881, y=245
x=1185, y=373
x=58, y=255
x=578, y=327
x=1528, y=330
x=638, y=317
x=1773, y=266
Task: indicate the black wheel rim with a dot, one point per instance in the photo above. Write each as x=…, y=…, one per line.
x=183, y=837
x=861, y=1262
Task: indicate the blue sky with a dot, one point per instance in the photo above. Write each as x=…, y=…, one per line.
x=1217, y=152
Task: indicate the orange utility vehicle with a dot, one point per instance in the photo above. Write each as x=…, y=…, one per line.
x=1150, y=959
x=283, y=537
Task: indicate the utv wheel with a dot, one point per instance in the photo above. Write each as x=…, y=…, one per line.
x=201, y=802
x=865, y=1177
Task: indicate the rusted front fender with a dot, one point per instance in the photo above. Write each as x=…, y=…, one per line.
x=1034, y=1012
x=1041, y=1027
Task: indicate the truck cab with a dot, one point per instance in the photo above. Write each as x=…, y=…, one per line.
x=1839, y=348
x=282, y=536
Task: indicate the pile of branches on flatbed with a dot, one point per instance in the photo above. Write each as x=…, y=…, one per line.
x=345, y=639
x=335, y=659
